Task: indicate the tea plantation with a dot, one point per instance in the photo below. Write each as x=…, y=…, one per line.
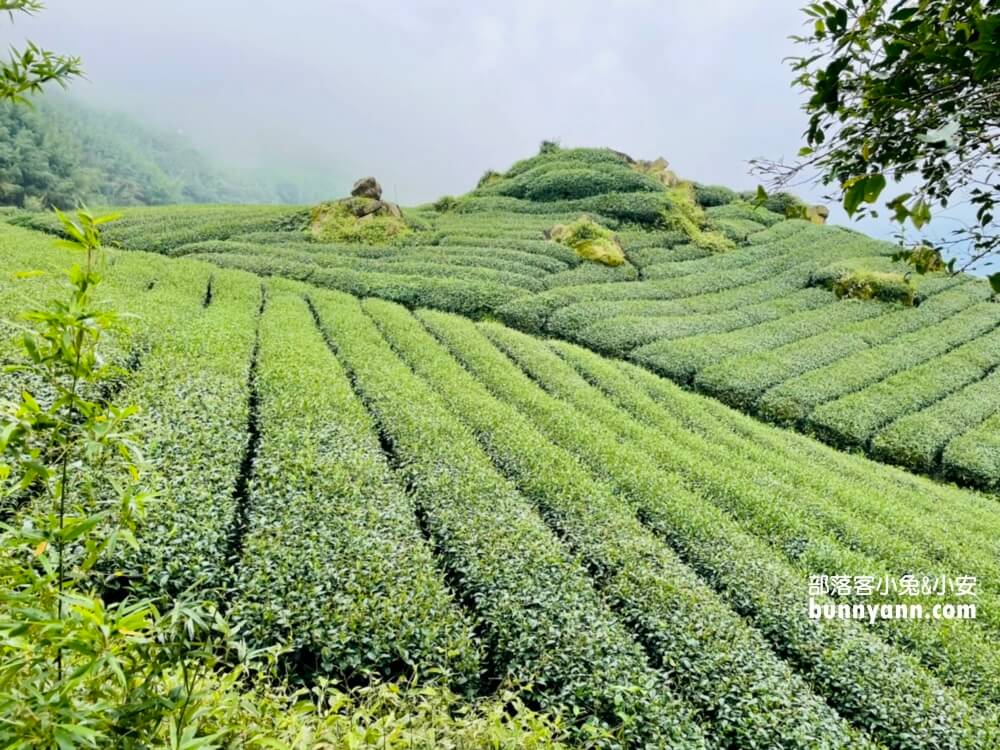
x=475, y=455
x=722, y=296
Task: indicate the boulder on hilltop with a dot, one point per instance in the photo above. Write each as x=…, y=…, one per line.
x=367, y=187
x=361, y=217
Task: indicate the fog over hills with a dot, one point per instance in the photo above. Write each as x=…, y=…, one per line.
x=427, y=95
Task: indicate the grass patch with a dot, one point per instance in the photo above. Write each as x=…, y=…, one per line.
x=685, y=215
x=590, y=240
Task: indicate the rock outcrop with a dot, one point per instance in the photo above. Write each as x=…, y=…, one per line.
x=658, y=169
x=362, y=217
x=817, y=214
x=366, y=200
x=367, y=187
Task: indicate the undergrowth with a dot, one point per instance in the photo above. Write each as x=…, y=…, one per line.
x=590, y=240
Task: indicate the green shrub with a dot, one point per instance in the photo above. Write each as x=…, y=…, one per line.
x=642, y=207
x=556, y=180
x=445, y=203
x=778, y=202
x=162, y=228
x=828, y=275
x=647, y=257
x=406, y=715
x=917, y=440
x=946, y=320
x=618, y=335
x=467, y=296
x=737, y=230
x=420, y=227
x=713, y=195
x=851, y=420
x=596, y=158
x=643, y=237
x=645, y=208
x=319, y=474
x=488, y=178
x=785, y=491
x=868, y=285
x=567, y=184
x=974, y=456
x=198, y=422
x=682, y=359
x=592, y=273
x=590, y=241
x=271, y=238
x=740, y=210
x=779, y=350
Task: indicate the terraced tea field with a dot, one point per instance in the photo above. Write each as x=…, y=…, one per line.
x=472, y=455
x=757, y=327
x=388, y=491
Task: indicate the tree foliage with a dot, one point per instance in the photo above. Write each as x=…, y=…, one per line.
x=77, y=670
x=29, y=69
x=904, y=90
x=58, y=153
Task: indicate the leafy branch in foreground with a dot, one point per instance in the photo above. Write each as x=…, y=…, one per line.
x=29, y=69
x=907, y=90
x=76, y=670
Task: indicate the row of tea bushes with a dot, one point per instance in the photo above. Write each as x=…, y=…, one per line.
x=744, y=694
x=332, y=565
x=539, y=614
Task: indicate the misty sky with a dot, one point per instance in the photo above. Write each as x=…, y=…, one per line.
x=427, y=95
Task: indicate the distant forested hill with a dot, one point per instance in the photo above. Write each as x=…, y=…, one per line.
x=61, y=152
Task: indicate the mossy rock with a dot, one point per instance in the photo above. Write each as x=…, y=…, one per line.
x=817, y=214
x=358, y=219
x=875, y=285
x=590, y=241
x=659, y=170
x=607, y=252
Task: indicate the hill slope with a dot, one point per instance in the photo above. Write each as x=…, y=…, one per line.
x=61, y=152
x=641, y=553
x=731, y=300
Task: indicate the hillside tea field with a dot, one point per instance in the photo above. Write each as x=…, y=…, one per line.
x=476, y=456
x=758, y=327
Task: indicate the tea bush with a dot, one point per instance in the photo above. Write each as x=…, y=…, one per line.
x=713, y=195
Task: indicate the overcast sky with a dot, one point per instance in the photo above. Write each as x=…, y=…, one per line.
x=427, y=95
